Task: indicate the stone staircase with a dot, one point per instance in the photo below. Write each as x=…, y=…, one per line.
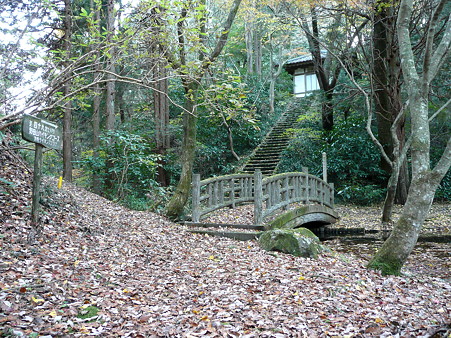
x=267, y=155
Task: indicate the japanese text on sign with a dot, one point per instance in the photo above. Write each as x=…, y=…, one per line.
x=40, y=131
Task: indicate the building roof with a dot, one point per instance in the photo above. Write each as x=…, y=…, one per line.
x=302, y=60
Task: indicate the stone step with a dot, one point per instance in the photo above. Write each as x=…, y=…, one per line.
x=263, y=171
x=262, y=167
x=274, y=142
x=265, y=149
x=280, y=135
x=264, y=161
x=267, y=156
x=269, y=151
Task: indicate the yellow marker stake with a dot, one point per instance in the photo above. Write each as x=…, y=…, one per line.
x=60, y=182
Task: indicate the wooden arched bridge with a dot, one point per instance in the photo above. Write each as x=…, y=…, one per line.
x=269, y=195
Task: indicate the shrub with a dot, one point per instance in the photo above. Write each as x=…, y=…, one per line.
x=126, y=167
x=353, y=160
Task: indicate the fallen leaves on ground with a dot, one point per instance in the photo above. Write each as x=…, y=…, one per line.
x=102, y=270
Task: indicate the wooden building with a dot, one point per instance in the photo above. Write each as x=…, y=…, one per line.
x=304, y=77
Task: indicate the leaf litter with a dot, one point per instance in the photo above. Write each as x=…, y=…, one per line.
x=99, y=269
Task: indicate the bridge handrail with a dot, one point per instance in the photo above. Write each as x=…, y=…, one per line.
x=220, y=192
x=268, y=194
x=281, y=190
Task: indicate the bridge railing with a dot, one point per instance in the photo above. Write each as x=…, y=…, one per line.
x=268, y=194
x=220, y=192
x=279, y=191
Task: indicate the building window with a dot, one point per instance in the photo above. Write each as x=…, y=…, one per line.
x=305, y=81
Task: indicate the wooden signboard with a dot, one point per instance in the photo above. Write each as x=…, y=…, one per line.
x=37, y=130
x=44, y=134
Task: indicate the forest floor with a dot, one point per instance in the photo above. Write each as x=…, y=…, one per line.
x=100, y=269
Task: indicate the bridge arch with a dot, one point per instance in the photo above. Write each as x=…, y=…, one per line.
x=308, y=216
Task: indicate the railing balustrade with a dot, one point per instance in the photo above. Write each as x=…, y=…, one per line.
x=268, y=194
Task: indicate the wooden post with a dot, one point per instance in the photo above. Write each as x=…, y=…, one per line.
x=215, y=193
x=36, y=194
x=324, y=167
x=332, y=195
x=221, y=192
x=307, y=185
x=287, y=192
x=258, y=197
x=232, y=192
x=44, y=134
x=196, y=198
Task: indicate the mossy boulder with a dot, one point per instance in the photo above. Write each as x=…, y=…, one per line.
x=299, y=242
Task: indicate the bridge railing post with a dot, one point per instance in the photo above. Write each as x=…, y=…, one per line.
x=258, y=197
x=324, y=167
x=332, y=195
x=307, y=185
x=196, y=198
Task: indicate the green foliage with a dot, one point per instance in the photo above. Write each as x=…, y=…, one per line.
x=226, y=106
x=444, y=190
x=353, y=160
x=391, y=268
x=440, y=131
x=127, y=169
x=88, y=312
x=362, y=194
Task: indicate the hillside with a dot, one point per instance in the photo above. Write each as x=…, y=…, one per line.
x=100, y=269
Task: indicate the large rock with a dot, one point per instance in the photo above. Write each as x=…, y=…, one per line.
x=298, y=242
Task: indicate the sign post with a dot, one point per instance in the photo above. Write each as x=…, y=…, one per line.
x=44, y=134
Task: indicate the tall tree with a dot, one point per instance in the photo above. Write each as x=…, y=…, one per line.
x=111, y=67
x=67, y=117
x=387, y=98
x=160, y=94
x=253, y=30
x=425, y=180
x=327, y=69
x=95, y=9
x=191, y=84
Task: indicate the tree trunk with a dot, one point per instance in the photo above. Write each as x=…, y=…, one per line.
x=96, y=111
x=389, y=202
x=67, y=118
x=258, y=51
x=111, y=85
x=110, y=94
x=174, y=209
x=161, y=104
x=326, y=83
x=274, y=74
x=327, y=109
x=387, y=100
x=249, y=47
x=395, y=250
